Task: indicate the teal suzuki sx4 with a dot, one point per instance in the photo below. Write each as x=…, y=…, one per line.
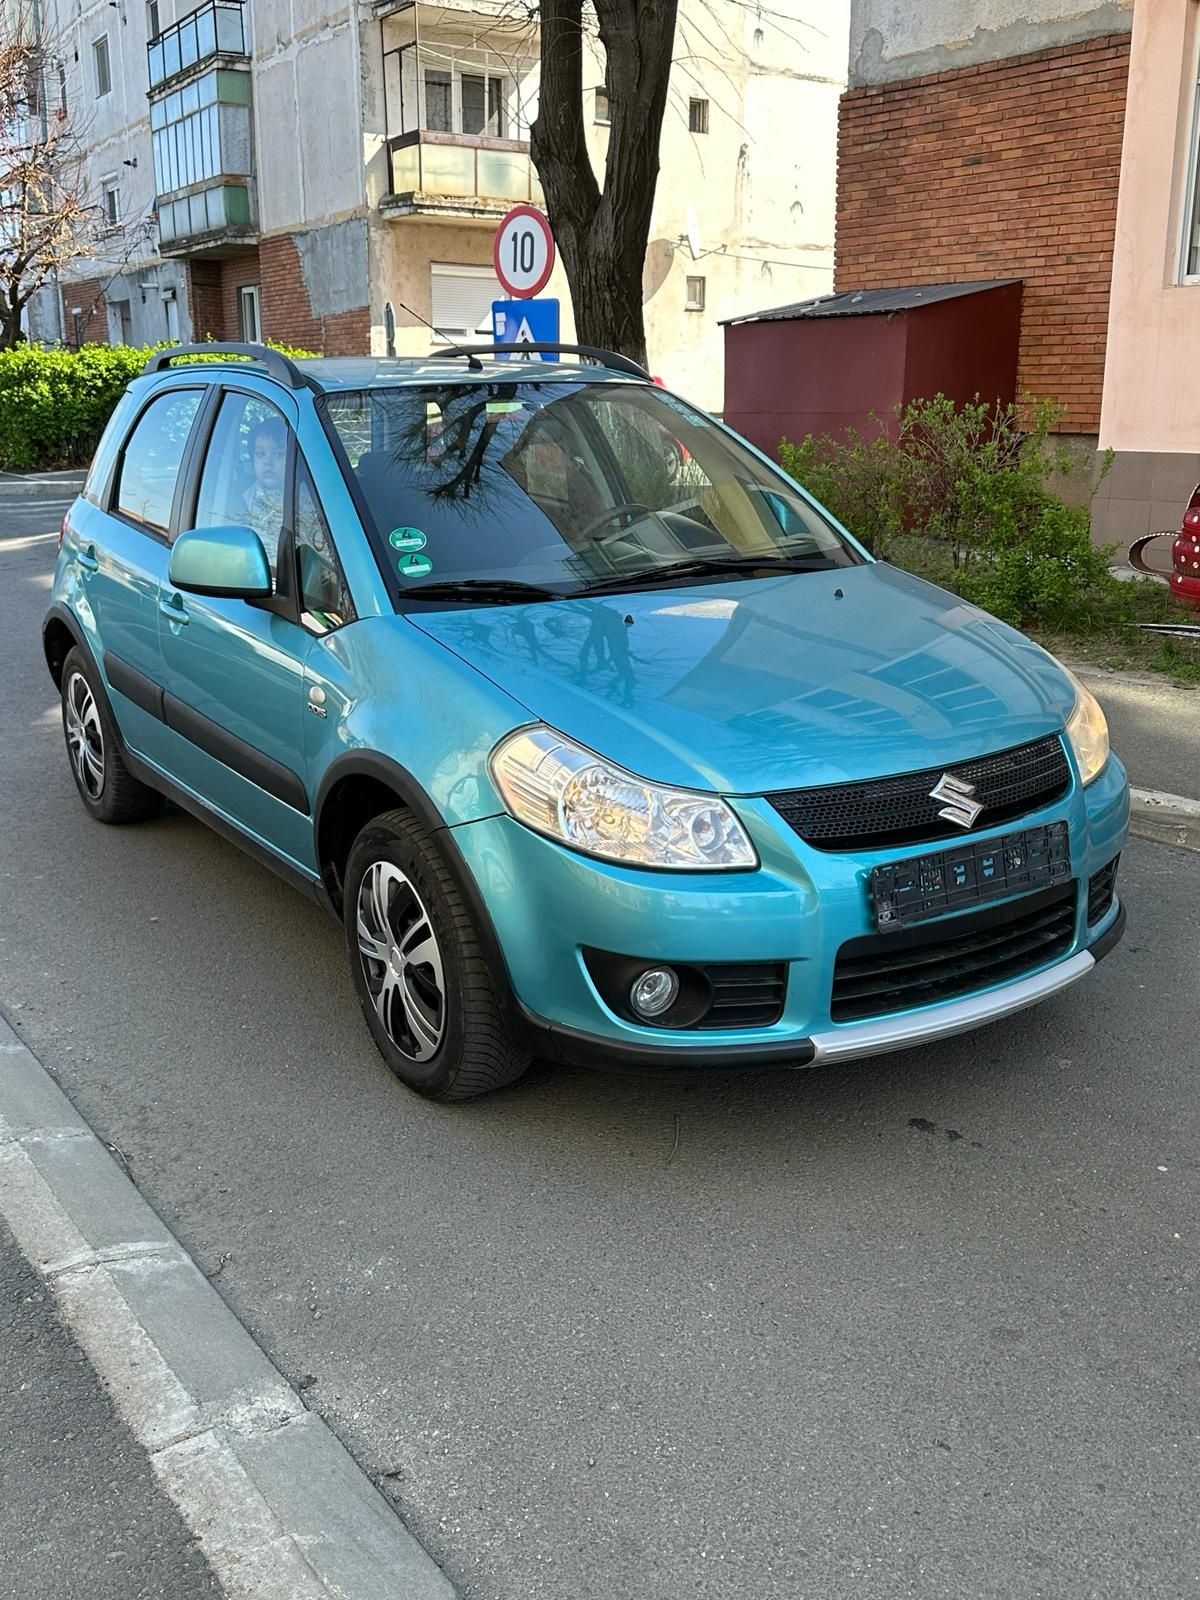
x=605, y=742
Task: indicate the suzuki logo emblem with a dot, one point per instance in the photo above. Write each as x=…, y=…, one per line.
x=959, y=806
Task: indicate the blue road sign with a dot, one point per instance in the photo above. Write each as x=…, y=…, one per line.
x=518, y=322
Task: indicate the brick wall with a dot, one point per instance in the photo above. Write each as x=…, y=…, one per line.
x=204, y=300
x=1004, y=170
x=235, y=273
x=88, y=295
x=288, y=315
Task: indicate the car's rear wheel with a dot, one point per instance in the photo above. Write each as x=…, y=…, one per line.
x=106, y=786
x=421, y=978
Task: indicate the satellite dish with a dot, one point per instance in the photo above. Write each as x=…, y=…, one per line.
x=692, y=236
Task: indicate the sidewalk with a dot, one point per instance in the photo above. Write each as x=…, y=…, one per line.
x=84, y=1517
x=1155, y=729
x=266, y=1495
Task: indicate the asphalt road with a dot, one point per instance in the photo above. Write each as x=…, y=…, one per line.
x=921, y=1327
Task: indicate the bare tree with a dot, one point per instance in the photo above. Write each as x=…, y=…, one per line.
x=46, y=221
x=602, y=231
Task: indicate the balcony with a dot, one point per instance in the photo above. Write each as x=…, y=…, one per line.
x=213, y=221
x=200, y=130
x=211, y=31
x=456, y=83
x=458, y=176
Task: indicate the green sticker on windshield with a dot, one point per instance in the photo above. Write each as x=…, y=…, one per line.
x=406, y=539
x=414, y=566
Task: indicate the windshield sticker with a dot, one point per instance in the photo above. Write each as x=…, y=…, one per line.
x=414, y=566
x=406, y=539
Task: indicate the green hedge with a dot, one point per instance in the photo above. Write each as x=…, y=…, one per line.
x=54, y=403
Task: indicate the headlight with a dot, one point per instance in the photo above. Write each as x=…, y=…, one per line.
x=577, y=797
x=1088, y=732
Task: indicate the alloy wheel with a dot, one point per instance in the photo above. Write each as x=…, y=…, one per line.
x=401, y=961
x=85, y=737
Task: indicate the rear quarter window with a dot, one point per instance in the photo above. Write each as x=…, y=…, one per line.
x=97, y=484
x=153, y=454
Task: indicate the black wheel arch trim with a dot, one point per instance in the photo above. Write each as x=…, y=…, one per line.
x=370, y=764
x=64, y=615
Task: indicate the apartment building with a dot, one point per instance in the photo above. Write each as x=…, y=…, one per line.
x=1057, y=143
x=331, y=174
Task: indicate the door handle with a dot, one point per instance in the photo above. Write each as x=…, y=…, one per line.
x=88, y=559
x=173, y=609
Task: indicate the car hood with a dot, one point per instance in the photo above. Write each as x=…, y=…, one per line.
x=777, y=683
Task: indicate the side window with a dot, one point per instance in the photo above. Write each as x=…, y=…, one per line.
x=151, y=459
x=244, y=471
x=325, y=601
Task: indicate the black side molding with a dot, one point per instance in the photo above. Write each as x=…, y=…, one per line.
x=207, y=735
x=134, y=685
x=240, y=757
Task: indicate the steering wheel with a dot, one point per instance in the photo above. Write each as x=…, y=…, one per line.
x=630, y=508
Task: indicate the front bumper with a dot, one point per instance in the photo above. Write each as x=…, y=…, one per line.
x=546, y=904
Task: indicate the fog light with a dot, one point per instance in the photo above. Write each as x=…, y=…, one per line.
x=654, y=992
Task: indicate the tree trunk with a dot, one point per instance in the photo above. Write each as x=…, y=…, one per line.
x=602, y=235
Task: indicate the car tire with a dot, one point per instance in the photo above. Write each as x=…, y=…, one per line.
x=106, y=786
x=421, y=978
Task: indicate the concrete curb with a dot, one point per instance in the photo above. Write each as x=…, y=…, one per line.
x=1165, y=818
x=50, y=487
x=279, y=1508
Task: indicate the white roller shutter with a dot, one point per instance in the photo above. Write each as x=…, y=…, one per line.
x=462, y=300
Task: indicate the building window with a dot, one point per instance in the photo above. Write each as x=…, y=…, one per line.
x=602, y=115
x=457, y=101
x=250, y=313
x=697, y=116
x=1190, y=256
x=695, y=294
x=100, y=63
x=439, y=101
x=121, y=326
x=111, y=202
x=153, y=21
x=461, y=299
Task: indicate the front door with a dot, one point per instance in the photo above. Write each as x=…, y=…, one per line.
x=122, y=552
x=235, y=669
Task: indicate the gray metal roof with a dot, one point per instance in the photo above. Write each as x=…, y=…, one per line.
x=871, y=302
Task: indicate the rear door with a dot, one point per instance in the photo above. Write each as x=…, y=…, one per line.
x=235, y=669
x=122, y=546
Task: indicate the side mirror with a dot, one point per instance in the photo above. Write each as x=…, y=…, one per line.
x=220, y=561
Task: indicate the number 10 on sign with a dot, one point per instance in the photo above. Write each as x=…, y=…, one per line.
x=523, y=252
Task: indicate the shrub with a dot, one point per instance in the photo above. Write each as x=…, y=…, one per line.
x=960, y=495
x=54, y=403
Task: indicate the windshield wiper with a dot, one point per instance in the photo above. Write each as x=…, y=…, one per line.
x=498, y=589
x=710, y=566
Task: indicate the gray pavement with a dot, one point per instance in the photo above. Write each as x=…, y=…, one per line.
x=1155, y=727
x=84, y=1517
x=920, y=1327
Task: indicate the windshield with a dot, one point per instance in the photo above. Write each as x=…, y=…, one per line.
x=566, y=486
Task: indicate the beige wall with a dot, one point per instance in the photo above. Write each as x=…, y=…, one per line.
x=760, y=184
x=1154, y=321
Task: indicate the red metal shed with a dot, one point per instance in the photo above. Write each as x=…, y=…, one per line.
x=826, y=365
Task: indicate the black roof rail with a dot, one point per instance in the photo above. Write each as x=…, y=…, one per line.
x=603, y=358
x=277, y=364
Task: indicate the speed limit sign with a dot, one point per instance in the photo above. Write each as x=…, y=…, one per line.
x=523, y=252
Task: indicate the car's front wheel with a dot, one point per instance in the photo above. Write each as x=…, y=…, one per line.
x=421, y=978
x=106, y=786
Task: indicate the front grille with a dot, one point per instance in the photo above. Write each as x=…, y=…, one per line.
x=894, y=811
x=749, y=996
x=887, y=972
x=1101, y=888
